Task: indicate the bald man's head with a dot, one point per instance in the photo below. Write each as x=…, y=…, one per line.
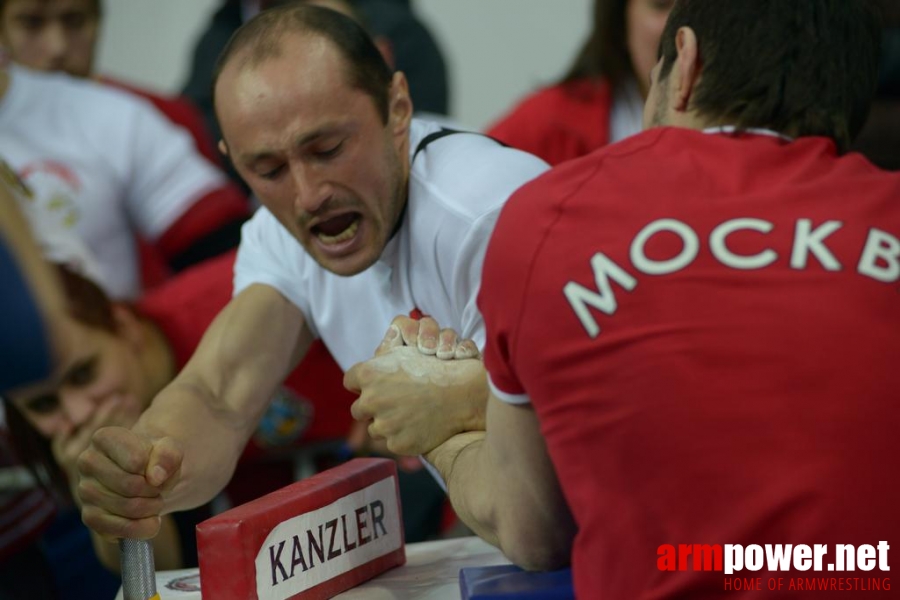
x=261, y=39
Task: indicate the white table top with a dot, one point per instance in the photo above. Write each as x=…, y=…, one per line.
x=431, y=572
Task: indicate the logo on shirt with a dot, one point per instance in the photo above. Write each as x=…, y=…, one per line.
x=880, y=259
x=54, y=186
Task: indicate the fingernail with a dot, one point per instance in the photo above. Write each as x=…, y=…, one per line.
x=158, y=475
x=428, y=344
x=392, y=332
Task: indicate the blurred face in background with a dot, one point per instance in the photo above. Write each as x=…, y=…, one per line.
x=645, y=21
x=99, y=383
x=51, y=35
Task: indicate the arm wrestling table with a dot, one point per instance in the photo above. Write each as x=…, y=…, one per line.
x=431, y=572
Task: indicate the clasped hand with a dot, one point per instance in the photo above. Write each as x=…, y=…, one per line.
x=423, y=386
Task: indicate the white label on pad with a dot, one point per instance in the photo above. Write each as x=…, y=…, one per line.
x=312, y=548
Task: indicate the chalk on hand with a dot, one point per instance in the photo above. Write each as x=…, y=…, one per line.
x=310, y=540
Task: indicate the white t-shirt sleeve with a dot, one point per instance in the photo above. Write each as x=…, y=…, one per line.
x=165, y=173
x=467, y=278
x=269, y=255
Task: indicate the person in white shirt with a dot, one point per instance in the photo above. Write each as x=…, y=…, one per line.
x=110, y=167
x=366, y=214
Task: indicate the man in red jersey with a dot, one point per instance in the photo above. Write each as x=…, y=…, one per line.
x=692, y=335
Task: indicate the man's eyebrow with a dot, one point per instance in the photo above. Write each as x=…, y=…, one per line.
x=298, y=142
x=314, y=135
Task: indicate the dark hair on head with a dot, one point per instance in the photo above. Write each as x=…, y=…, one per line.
x=261, y=38
x=605, y=53
x=90, y=306
x=36, y=455
x=86, y=302
x=799, y=67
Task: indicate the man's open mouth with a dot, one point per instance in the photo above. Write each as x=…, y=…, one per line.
x=337, y=229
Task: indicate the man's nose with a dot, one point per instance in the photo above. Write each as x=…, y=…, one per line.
x=55, y=44
x=310, y=190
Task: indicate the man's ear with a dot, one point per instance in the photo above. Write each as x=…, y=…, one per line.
x=686, y=71
x=400, y=106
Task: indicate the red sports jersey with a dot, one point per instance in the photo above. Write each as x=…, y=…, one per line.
x=708, y=327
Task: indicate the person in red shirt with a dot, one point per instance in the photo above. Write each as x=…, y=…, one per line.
x=599, y=101
x=125, y=355
x=692, y=335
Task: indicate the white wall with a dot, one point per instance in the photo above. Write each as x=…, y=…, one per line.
x=149, y=42
x=497, y=50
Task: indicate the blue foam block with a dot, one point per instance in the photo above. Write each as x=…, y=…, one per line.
x=502, y=582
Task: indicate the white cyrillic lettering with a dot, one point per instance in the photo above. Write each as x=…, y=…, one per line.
x=727, y=257
x=807, y=240
x=604, y=300
x=884, y=246
x=691, y=245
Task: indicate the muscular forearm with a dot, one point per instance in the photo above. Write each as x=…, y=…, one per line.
x=183, y=449
x=508, y=496
x=212, y=407
x=464, y=464
x=210, y=432
x=499, y=506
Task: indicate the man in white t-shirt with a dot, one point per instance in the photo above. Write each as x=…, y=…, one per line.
x=110, y=167
x=367, y=214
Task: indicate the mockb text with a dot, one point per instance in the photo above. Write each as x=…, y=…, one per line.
x=879, y=259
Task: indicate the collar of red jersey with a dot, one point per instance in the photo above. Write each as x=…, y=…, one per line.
x=730, y=129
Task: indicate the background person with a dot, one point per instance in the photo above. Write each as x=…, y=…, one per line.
x=600, y=99
x=114, y=171
x=32, y=338
x=124, y=355
x=62, y=35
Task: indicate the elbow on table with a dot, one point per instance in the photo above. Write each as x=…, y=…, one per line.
x=540, y=549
